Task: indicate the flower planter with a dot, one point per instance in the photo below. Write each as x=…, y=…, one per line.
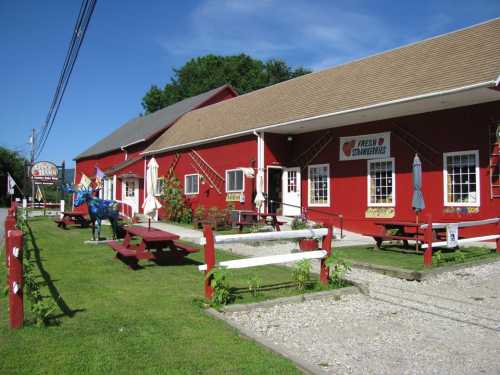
x=308, y=244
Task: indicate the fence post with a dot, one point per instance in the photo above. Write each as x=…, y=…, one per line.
x=10, y=224
x=15, y=279
x=209, y=258
x=428, y=239
x=324, y=274
x=498, y=239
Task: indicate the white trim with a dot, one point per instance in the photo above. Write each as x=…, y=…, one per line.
x=309, y=204
x=332, y=114
x=114, y=187
x=132, y=143
x=445, y=180
x=370, y=204
x=227, y=181
x=197, y=184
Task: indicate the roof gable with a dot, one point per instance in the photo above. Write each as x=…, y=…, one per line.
x=142, y=128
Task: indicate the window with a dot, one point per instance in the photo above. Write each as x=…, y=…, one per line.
x=461, y=178
x=319, y=185
x=130, y=189
x=381, y=182
x=234, y=181
x=291, y=181
x=108, y=188
x=160, y=185
x=191, y=184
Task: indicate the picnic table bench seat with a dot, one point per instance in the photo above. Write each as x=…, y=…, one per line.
x=185, y=248
x=121, y=249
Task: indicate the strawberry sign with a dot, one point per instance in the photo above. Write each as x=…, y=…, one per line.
x=369, y=146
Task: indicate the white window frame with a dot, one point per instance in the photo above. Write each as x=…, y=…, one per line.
x=370, y=204
x=197, y=185
x=160, y=181
x=309, y=167
x=445, y=179
x=227, y=181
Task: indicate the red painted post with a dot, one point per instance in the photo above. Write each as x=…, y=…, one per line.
x=428, y=239
x=498, y=239
x=209, y=258
x=16, y=307
x=324, y=274
x=10, y=224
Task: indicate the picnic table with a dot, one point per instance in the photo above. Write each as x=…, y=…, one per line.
x=73, y=218
x=249, y=218
x=402, y=230
x=154, y=244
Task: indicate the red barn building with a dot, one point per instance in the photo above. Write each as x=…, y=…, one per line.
x=119, y=153
x=342, y=140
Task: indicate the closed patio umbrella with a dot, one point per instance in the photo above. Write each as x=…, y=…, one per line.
x=151, y=204
x=418, y=203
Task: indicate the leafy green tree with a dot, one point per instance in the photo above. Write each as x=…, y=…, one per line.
x=10, y=162
x=204, y=73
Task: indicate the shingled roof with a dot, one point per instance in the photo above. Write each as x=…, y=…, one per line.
x=458, y=59
x=143, y=127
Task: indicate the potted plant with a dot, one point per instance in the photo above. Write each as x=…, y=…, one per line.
x=305, y=244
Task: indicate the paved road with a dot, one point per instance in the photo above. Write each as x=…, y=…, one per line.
x=3, y=214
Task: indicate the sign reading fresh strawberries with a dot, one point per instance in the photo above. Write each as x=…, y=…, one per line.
x=369, y=146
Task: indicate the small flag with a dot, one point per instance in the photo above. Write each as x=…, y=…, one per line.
x=11, y=184
x=99, y=177
x=39, y=195
x=85, y=181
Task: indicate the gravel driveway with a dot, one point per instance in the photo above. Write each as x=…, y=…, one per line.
x=447, y=325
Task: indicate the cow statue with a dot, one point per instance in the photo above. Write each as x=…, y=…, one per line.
x=98, y=209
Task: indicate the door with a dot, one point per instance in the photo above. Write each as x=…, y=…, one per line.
x=291, y=191
x=130, y=193
x=274, y=190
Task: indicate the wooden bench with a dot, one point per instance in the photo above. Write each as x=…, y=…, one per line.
x=121, y=249
x=185, y=249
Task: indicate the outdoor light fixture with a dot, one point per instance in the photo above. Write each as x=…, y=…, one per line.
x=289, y=138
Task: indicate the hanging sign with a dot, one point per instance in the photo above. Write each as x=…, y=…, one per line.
x=44, y=171
x=369, y=146
x=452, y=235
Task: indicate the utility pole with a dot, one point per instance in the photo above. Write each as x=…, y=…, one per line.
x=31, y=166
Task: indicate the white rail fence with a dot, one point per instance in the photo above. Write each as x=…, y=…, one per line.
x=452, y=235
x=209, y=241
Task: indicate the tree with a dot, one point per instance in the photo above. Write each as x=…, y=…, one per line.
x=10, y=162
x=204, y=73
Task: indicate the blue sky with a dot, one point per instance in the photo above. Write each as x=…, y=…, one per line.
x=131, y=45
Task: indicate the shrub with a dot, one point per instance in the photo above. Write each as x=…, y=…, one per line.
x=254, y=285
x=459, y=256
x=175, y=202
x=338, y=269
x=301, y=273
x=199, y=212
x=439, y=257
x=220, y=285
x=298, y=223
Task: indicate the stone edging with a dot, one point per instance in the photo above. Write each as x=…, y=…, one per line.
x=356, y=288
x=405, y=274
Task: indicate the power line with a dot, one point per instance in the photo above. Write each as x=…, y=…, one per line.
x=82, y=22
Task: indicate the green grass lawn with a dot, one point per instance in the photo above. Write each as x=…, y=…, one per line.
x=394, y=257
x=113, y=320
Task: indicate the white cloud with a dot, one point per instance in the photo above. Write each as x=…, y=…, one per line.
x=312, y=34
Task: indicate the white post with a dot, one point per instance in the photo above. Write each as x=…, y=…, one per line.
x=62, y=209
x=259, y=180
x=25, y=211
